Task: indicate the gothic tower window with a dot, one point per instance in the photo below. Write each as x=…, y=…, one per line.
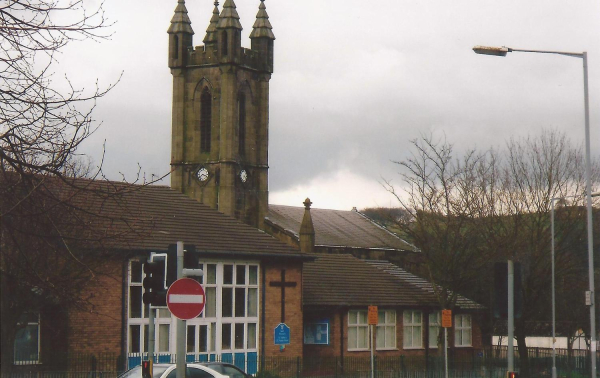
x=175, y=47
x=224, y=42
x=205, y=120
x=242, y=123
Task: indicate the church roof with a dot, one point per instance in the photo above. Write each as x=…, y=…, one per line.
x=229, y=17
x=401, y=274
x=119, y=216
x=337, y=228
x=344, y=280
x=180, y=23
x=262, y=27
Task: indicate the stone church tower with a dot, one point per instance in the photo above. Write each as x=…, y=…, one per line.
x=220, y=116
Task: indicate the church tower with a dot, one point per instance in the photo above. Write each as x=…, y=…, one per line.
x=220, y=116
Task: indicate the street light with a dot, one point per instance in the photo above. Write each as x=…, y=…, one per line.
x=502, y=51
x=553, y=200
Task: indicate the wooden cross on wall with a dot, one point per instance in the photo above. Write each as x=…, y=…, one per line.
x=282, y=284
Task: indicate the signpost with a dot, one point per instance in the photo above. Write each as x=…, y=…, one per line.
x=185, y=298
x=446, y=323
x=372, y=320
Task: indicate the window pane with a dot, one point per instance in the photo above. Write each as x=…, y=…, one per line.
x=136, y=271
x=213, y=336
x=380, y=317
x=164, y=313
x=407, y=319
x=210, y=307
x=251, y=336
x=163, y=337
x=227, y=305
x=240, y=302
x=352, y=317
x=26, y=344
x=362, y=317
x=134, y=339
x=240, y=275
x=417, y=337
x=203, y=339
x=352, y=337
x=417, y=317
x=239, y=336
x=226, y=336
x=363, y=337
x=253, y=276
x=467, y=337
x=380, y=337
x=252, y=302
x=211, y=274
x=407, y=337
x=145, y=342
x=390, y=337
x=191, y=339
x=227, y=274
x=434, y=332
x=391, y=317
x=135, y=301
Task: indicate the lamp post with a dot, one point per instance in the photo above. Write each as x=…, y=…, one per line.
x=502, y=51
x=553, y=200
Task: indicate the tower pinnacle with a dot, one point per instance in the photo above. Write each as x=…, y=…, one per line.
x=262, y=27
x=211, y=31
x=180, y=23
x=229, y=16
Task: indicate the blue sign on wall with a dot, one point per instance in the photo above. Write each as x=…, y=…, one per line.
x=282, y=334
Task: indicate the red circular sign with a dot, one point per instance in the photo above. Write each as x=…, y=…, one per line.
x=185, y=298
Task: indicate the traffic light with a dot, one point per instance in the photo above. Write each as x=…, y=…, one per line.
x=512, y=374
x=155, y=292
x=147, y=369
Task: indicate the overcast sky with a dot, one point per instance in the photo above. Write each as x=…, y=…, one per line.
x=354, y=82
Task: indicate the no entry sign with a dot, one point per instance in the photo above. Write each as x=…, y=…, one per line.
x=185, y=298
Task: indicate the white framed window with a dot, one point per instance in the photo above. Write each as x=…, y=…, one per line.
x=358, y=330
x=462, y=330
x=386, y=329
x=27, y=340
x=435, y=324
x=228, y=324
x=413, y=329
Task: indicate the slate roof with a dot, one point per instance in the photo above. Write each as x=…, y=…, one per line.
x=401, y=274
x=337, y=228
x=121, y=216
x=344, y=280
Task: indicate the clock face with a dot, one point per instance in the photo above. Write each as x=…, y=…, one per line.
x=243, y=175
x=202, y=174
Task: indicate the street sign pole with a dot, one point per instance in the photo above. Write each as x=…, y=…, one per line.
x=372, y=320
x=180, y=343
x=446, y=323
x=511, y=316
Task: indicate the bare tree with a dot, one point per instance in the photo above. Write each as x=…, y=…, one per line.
x=50, y=238
x=481, y=207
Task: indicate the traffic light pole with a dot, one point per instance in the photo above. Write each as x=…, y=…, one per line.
x=180, y=347
x=151, y=333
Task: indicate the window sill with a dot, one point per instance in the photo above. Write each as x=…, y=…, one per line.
x=359, y=350
x=463, y=346
x=385, y=349
x=413, y=348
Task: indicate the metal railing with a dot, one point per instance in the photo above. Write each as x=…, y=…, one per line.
x=468, y=363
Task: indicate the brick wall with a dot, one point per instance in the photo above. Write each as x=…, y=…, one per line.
x=97, y=330
x=293, y=309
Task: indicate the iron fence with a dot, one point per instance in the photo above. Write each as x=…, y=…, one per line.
x=468, y=363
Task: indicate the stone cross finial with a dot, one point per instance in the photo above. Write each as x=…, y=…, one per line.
x=307, y=203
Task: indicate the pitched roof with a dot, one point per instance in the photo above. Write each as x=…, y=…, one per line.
x=344, y=280
x=122, y=216
x=337, y=228
x=401, y=274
